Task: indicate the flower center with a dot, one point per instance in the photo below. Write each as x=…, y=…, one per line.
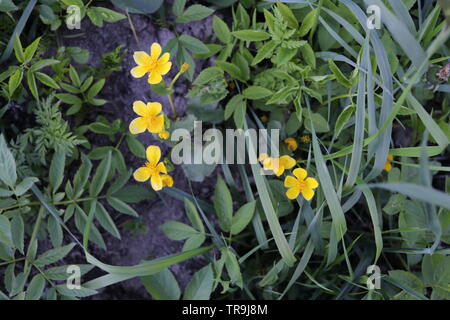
x=301, y=185
x=152, y=168
x=152, y=63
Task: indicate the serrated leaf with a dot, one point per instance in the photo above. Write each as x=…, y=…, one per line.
x=242, y=217
x=53, y=255
x=251, y=35
x=194, y=13
x=100, y=176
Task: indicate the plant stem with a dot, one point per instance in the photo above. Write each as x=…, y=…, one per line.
x=174, y=111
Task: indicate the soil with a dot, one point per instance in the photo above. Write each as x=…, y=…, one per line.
x=121, y=90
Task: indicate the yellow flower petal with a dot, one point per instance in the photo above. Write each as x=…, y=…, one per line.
x=156, y=124
x=163, y=68
x=300, y=173
x=153, y=154
x=287, y=162
x=290, y=182
x=154, y=77
x=164, y=135
x=291, y=144
x=139, y=71
x=154, y=108
x=164, y=58
x=262, y=157
x=141, y=57
x=388, y=166
x=155, y=50
x=167, y=180
x=390, y=157
x=308, y=193
x=157, y=183
x=311, y=183
x=138, y=125
x=142, y=174
x=292, y=193
x=279, y=171
x=140, y=108
x=161, y=167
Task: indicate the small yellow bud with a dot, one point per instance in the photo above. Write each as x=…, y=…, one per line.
x=184, y=67
x=164, y=135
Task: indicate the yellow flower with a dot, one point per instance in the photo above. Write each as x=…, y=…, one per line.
x=184, y=67
x=153, y=169
x=388, y=164
x=264, y=118
x=262, y=157
x=164, y=135
x=305, y=139
x=277, y=165
x=291, y=144
x=155, y=65
x=167, y=180
x=300, y=184
x=150, y=118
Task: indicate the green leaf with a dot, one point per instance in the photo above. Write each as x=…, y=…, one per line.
x=251, y=35
x=135, y=146
x=309, y=55
x=121, y=206
x=231, y=69
x=256, y=92
x=14, y=81
x=138, y=6
x=17, y=232
x=235, y=102
x=395, y=204
x=31, y=50
x=178, y=7
x=242, y=217
x=8, y=174
x=288, y=15
x=194, y=242
x=207, y=75
x=194, y=13
x=134, y=194
x=45, y=79
x=193, y=44
x=5, y=231
x=25, y=185
x=221, y=30
x=56, y=172
x=36, y=288
x=264, y=52
x=18, y=50
x=7, y=5
x=95, y=89
x=53, y=255
x=308, y=23
x=194, y=217
x=223, y=204
x=81, y=292
x=42, y=64
x=108, y=15
x=177, y=230
x=106, y=221
x=99, y=179
x=340, y=77
x=162, y=285
x=200, y=286
x=31, y=81
x=68, y=98
x=343, y=118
